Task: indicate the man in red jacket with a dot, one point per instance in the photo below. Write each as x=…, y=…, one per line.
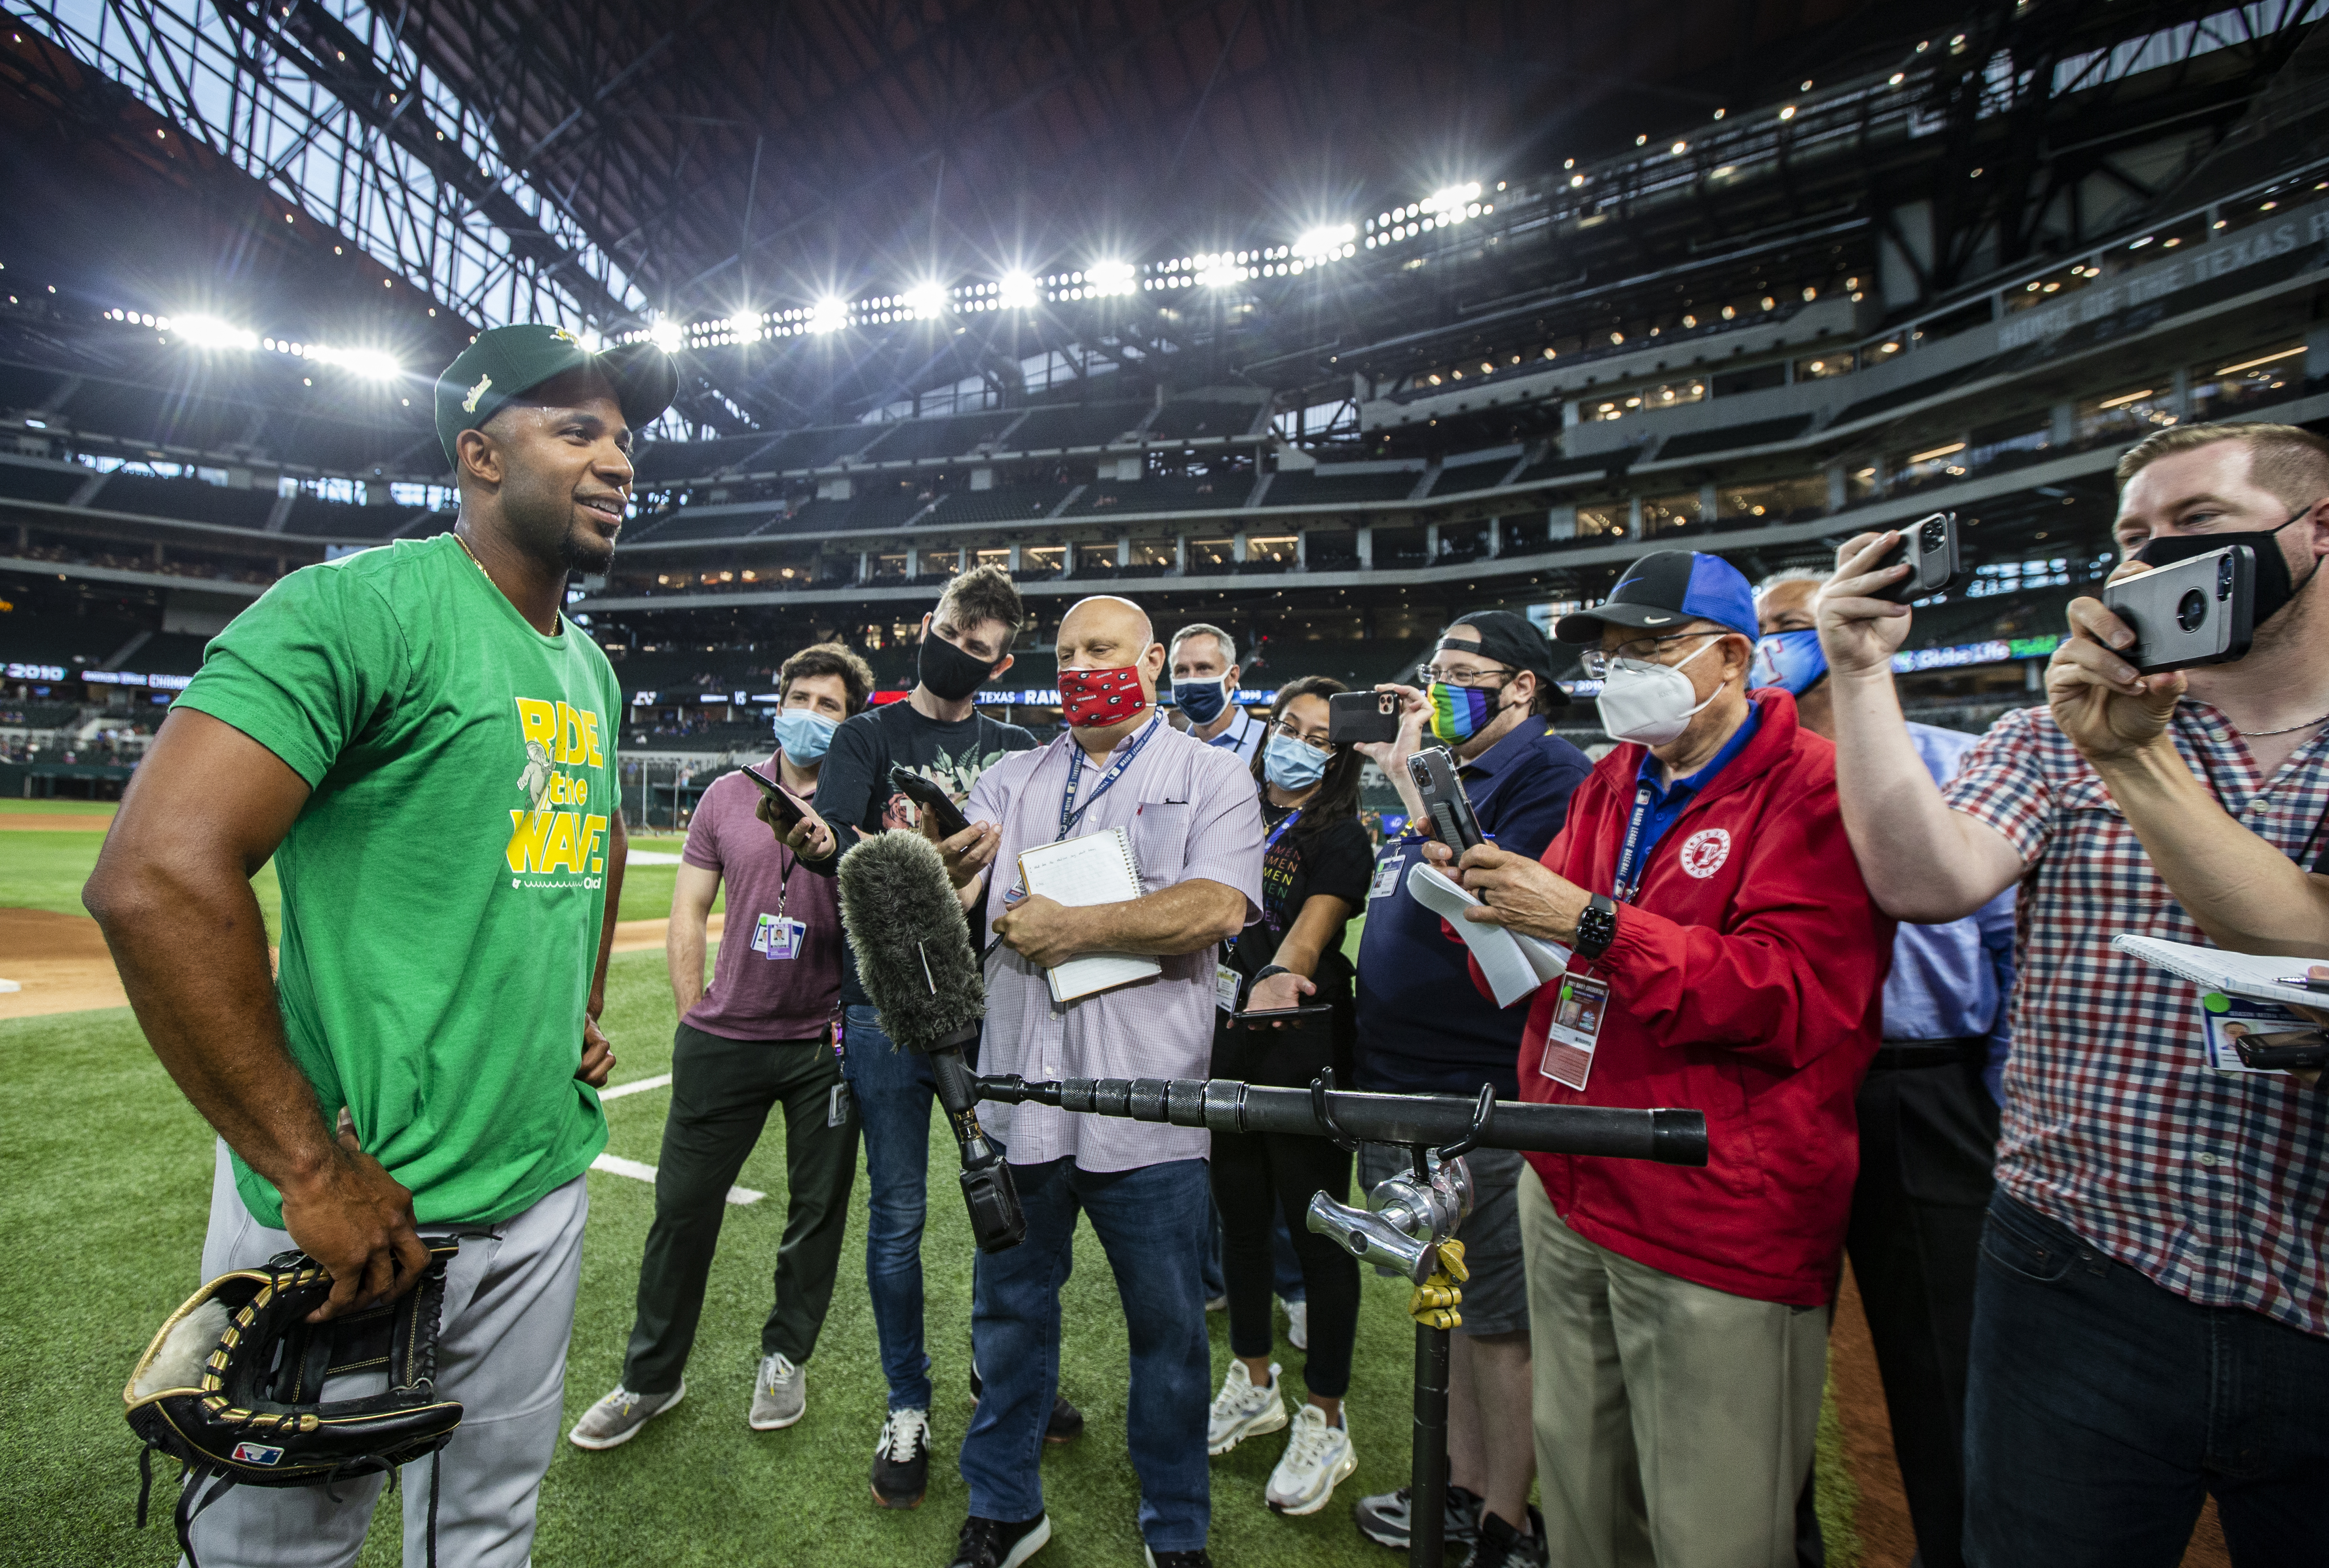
x=1728, y=958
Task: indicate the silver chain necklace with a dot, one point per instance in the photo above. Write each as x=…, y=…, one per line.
x=2289, y=728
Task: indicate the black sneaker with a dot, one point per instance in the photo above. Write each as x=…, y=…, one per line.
x=994, y=1544
x=1383, y=1518
x=901, y=1461
x=1199, y=1558
x=1501, y=1546
x=1067, y=1422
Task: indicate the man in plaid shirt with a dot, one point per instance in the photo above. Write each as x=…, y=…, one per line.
x=2152, y=1319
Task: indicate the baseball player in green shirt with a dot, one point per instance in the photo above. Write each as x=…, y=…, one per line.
x=425, y=745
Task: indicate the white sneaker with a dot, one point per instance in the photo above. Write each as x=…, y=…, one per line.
x=779, y=1395
x=1317, y=1457
x=1241, y=1410
x=1217, y=1303
x=1297, y=1322
x=616, y=1420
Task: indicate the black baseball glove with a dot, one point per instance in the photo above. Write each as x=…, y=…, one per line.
x=232, y=1386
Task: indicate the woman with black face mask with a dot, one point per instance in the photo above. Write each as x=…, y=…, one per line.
x=1315, y=863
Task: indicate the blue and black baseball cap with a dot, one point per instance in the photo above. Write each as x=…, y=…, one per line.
x=508, y=362
x=1666, y=587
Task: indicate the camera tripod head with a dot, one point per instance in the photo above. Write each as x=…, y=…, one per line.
x=1406, y=1216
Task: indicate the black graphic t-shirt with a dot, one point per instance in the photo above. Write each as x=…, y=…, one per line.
x=1334, y=859
x=853, y=787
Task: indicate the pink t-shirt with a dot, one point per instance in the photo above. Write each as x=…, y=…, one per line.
x=778, y=973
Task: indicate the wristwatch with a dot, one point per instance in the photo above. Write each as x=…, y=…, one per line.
x=1597, y=927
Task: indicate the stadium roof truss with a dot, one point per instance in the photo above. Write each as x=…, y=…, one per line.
x=322, y=100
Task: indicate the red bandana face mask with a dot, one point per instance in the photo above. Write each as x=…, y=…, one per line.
x=1093, y=698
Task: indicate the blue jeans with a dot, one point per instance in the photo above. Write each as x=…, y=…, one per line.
x=1153, y=1222
x=2101, y=1407
x=892, y=1092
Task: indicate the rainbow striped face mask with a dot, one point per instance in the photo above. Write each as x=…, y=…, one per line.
x=1460, y=713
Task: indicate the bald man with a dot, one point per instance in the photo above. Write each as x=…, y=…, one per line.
x=1194, y=820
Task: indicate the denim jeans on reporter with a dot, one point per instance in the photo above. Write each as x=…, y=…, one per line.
x=892, y=1092
x=1153, y=1224
x=2101, y=1406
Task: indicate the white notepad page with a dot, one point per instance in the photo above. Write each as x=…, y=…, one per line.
x=1094, y=868
x=2234, y=974
x=1514, y=962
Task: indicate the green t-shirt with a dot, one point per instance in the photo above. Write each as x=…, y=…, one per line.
x=444, y=886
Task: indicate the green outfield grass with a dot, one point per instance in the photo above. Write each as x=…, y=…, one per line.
x=61, y=807
x=42, y=870
x=104, y=1186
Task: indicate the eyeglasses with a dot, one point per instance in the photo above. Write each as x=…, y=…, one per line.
x=1320, y=744
x=1642, y=649
x=1434, y=676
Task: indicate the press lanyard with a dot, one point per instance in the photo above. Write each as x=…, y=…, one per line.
x=1279, y=832
x=1071, y=814
x=1629, y=882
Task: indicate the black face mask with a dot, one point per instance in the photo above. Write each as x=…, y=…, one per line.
x=2273, y=588
x=950, y=673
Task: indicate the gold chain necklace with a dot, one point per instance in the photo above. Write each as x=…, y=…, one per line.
x=472, y=555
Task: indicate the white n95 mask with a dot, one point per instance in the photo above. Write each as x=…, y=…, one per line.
x=1650, y=703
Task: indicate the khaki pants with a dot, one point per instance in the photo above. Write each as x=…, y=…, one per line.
x=1674, y=1422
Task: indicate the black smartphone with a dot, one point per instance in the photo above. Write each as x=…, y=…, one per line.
x=786, y=807
x=2201, y=611
x=931, y=798
x=1361, y=716
x=1301, y=1014
x=1445, y=805
x=1930, y=547
x=2283, y=1051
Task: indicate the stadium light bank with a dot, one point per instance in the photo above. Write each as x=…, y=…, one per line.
x=208, y=332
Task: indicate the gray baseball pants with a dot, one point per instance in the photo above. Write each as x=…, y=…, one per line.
x=501, y=1351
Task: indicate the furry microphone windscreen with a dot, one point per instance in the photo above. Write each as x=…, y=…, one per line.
x=914, y=952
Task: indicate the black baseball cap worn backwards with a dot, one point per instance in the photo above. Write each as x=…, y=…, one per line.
x=1663, y=589
x=1509, y=638
x=507, y=362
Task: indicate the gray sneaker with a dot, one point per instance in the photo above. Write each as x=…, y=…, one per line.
x=616, y=1420
x=780, y=1395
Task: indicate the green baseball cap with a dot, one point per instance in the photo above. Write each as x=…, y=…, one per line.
x=508, y=361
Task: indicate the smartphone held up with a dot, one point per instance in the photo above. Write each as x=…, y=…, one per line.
x=2201, y=611
x=1929, y=547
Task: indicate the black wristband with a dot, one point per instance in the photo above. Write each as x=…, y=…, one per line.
x=1269, y=970
x=1597, y=927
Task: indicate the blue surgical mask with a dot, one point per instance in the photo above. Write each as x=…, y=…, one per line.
x=1793, y=661
x=1202, y=700
x=1292, y=766
x=803, y=736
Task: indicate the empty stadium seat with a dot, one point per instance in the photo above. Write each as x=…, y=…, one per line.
x=314, y=517
x=1297, y=488
x=817, y=449
x=913, y=440
x=1195, y=417
x=1053, y=429
x=1115, y=497
x=667, y=462
x=22, y=482
x=1463, y=472
x=189, y=499
x=1002, y=504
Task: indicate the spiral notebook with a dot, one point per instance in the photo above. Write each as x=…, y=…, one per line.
x=1095, y=868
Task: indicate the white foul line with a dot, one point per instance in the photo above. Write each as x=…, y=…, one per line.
x=615, y=1164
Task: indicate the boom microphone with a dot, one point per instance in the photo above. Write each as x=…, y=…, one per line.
x=915, y=960
x=1225, y=1105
